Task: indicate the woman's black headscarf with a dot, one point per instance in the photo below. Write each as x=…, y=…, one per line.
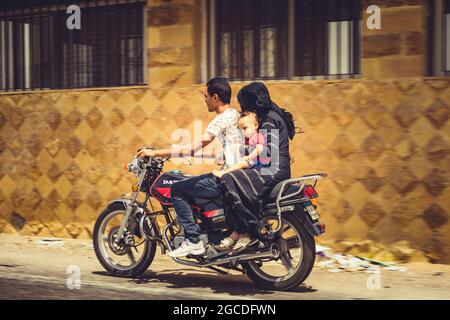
x=255, y=97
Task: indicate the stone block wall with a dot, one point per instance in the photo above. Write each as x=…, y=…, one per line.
x=170, y=31
x=399, y=48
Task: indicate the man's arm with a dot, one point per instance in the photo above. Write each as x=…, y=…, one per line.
x=208, y=154
x=179, y=151
x=245, y=162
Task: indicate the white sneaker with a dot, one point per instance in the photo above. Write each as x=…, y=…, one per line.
x=187, y=248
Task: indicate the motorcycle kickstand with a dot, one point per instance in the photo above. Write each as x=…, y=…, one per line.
x=218, y=270
x=238, y=269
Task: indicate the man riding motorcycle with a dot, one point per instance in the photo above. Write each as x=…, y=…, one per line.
x=127, y=231
x=223, y=127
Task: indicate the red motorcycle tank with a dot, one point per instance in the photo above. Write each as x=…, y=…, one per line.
x=209, y=211
x=160, y=188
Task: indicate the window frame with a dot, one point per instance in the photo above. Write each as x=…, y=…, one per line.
x=211, y=45
x=437, y=54
x=45, y=10
x=354, y=62
x=446, y=39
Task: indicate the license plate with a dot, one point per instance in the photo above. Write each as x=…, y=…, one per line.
x=313, y=212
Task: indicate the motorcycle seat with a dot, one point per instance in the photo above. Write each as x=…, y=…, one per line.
x=289, y=189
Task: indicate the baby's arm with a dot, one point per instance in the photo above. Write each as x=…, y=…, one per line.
x=205, y=154
x=238, y=166
x=258, y=149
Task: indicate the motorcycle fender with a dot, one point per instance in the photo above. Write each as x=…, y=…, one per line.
x=126, y=203
x=312, y=228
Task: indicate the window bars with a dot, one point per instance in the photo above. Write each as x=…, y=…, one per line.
x=253, y=38
x=38, y=51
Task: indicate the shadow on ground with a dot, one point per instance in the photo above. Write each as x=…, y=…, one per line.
x=238, y=285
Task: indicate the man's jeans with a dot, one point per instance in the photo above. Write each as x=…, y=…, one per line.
x=205, y=186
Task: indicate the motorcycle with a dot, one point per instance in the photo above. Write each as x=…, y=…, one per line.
x=126, y=232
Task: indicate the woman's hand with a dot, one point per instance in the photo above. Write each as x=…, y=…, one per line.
x=218, y=173
x=145, y=152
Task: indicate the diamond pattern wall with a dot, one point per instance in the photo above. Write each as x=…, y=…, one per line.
x=385, y=145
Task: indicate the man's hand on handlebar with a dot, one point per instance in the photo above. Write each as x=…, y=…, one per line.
x=146, y=152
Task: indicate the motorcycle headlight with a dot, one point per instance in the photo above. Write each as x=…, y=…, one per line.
x=135, y=167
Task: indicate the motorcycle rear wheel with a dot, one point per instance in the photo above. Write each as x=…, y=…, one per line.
x=297, y=275
x=100, y=241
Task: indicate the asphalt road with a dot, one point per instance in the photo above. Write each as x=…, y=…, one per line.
x=29, y=270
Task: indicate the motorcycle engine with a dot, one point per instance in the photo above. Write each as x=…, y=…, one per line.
x=177, y=241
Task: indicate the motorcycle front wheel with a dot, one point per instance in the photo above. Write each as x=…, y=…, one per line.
x=123, y=259
x=294, y=266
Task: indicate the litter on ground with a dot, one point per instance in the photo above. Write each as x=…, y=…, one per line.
x=51, y=242
x=337, y=262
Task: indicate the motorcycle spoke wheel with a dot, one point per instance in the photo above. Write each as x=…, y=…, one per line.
x=289, y=262
x=120, y=256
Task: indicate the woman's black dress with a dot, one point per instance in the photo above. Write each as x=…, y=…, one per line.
x=244, y=190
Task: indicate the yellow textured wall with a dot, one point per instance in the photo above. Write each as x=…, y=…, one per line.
x=385, y=145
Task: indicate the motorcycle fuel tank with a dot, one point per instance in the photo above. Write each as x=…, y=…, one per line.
x=160, y=188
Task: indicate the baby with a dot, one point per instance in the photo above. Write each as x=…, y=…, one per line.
x=254, y=142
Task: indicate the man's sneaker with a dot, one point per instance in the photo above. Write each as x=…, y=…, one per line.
x=188, y=248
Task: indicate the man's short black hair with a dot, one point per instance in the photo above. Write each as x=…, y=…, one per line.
x=221, y=87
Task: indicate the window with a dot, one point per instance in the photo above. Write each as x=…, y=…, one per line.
x=38, y=51
x=252, y=38
x=283, y=39
x=439, y=26
x=327, y=37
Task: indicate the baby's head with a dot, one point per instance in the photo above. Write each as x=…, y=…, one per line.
x=248, y=123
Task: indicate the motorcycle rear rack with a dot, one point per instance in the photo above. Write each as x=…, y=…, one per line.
x=271, y=206
x=302, y=181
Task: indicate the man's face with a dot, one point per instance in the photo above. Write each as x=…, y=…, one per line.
x=211, y=101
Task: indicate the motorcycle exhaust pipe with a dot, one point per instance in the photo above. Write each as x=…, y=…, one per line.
x=233, y=260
